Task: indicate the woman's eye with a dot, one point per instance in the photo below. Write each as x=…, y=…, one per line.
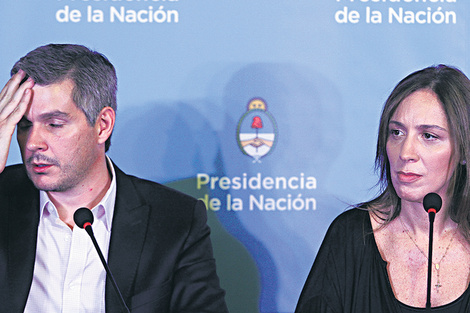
x=429, y=136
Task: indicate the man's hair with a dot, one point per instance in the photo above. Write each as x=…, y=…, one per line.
x=452, y=88
x=94, y=77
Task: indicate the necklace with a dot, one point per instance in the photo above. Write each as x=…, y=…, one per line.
x=437, y=265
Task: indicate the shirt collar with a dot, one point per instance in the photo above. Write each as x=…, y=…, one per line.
x=104, y=210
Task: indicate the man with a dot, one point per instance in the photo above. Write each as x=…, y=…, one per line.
x=62, y=99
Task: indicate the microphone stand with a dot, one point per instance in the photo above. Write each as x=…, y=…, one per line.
x=432, y=214
x=89, y=230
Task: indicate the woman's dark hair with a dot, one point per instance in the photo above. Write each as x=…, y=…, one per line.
x=452, y=88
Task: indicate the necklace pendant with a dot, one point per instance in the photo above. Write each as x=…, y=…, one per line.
x=437, y=266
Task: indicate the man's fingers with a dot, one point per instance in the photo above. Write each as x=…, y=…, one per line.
x=21, y=108
x=14, y=95
x=12, y=85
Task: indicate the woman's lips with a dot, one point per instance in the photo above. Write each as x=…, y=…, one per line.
x=408, y=177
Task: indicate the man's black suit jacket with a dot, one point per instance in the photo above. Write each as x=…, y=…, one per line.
x=160, y=252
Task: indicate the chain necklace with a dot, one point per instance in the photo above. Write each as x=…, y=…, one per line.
x=437, y=265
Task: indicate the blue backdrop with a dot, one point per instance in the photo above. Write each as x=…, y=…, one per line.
x=266, y=110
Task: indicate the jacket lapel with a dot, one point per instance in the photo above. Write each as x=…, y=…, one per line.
x=127, y=238
x=128, y=232
x=23, y=219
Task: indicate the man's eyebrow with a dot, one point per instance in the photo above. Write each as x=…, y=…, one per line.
x=54, y=114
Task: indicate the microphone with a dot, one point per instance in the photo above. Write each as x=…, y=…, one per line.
x=83, y=218
x=432, y=203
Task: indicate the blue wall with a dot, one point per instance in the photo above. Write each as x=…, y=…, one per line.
x=274, y=176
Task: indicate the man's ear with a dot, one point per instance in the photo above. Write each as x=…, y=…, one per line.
x=105, y=124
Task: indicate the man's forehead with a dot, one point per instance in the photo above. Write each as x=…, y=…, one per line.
x=53, y=96
x=61, y=87
x=52, y=101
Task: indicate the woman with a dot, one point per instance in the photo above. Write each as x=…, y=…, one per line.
x=374, y=257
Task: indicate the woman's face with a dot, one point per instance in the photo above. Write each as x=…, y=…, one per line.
x=419, y=147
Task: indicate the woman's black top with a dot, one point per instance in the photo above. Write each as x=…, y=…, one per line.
x=350, y=276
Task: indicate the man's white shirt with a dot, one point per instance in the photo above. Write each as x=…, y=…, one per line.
x=68, y=274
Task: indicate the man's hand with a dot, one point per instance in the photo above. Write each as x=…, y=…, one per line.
x=14, y=100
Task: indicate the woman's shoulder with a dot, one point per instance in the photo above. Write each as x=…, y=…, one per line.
x=352, y=217
x=353, y=225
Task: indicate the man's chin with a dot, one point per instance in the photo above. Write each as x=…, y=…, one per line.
x=41, y=183
x=45, y=187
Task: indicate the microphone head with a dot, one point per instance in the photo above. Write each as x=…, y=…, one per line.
x=83, y=216
x=432, y=201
